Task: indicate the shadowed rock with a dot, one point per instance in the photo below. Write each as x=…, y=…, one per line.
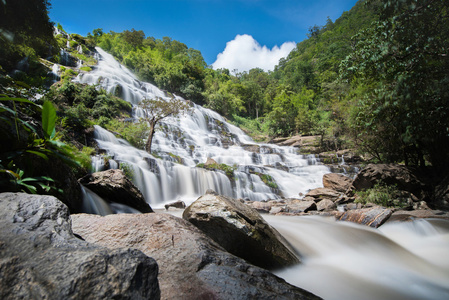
x=113, y=186
x=240, y=230
x=40, y=258
x=192, y=266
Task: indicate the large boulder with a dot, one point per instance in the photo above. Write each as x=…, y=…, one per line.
x=390, y=174
x=40, y=258
x=337, y=182
x=191, y=265
x=113, y=186
x=240, y=230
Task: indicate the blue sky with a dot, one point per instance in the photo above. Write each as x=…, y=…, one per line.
x=248, y=27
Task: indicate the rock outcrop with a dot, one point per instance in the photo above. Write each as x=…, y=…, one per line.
x=113, y=186
x=319, y=194
x=337, y=182
x=40, y=258
x=373, y=217
x=240, y=230
x=191, y=265
x=390, y=174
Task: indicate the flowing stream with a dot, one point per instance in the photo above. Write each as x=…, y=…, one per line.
x=261, y=171
x=342, y=260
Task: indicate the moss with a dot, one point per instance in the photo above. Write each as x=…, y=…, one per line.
x=228, y=170
x=86, y=69
x=268, y=180
x=177, y=158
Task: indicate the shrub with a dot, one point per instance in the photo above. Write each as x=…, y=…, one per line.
x=381, y=194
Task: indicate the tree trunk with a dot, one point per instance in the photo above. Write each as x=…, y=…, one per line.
x=150, y=137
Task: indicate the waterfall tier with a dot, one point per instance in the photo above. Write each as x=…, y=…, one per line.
x=183, y=142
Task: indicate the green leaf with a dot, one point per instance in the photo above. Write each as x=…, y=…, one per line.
x=48, y=120
x=18, y=100
x=38, y=154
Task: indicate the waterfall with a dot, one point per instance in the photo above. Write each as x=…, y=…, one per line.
x=342, y=260
x=185, y=141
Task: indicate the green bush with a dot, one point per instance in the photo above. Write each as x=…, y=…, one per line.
x=381, y=194
x=135, y=133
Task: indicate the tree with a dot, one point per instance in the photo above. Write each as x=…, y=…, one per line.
x=134, y=37
x=403, y=58
x=25, y=30
x=155, y=110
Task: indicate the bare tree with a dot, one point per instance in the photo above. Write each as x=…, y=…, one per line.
x=158, y=109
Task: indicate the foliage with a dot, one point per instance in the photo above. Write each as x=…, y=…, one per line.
x=136, y=133
x=381, y=194
x=257, y=128
x=42, y=146
x=29, y=35
x=403, y=57
x=268, y=180
x=80, y=106
x=155, y=110
x=127, y=169
x=228, y=170
x=167, y=63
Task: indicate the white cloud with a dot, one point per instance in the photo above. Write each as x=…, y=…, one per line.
x=244, y=53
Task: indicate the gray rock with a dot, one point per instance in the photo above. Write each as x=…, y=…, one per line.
x=240, y=230
x=325, y=205
x=192, y=266
x=177, y=204
x=40, y=258
x=260, y=206
x=298, y=206
x=319, y=194
x=113, y=186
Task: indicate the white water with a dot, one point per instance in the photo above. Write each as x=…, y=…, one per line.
x=194, y=138
x=342, y=260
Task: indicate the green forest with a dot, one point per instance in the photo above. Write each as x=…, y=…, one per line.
x=375, y=80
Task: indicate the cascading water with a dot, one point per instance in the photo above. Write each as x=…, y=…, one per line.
x=188, y=140
x=342, y=260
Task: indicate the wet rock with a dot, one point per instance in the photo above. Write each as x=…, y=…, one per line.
x=405, y=215
x=373, y=217
x=325, y=205
x=319, y=194
x=113, y=186
x=251, y=148
x=40, y=258
x=337, y=182
x=177, y=204
x=240, y=230
x=277, y=209
x=298, y=206
x=192, y=266
x=210, y=161
x=261, y=206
